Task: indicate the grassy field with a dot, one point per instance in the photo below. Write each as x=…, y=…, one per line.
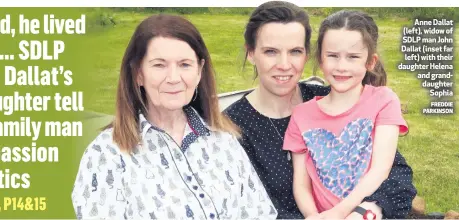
x=431, y=148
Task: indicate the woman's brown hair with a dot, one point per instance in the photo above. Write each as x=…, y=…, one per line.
x=131, y=98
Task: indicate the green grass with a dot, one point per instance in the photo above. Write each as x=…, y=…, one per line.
x=431, y=148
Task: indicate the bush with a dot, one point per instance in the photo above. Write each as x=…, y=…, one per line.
x=101, y=18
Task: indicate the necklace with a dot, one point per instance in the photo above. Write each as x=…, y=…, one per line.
x=289, y=157
x=277, y=131
x=275, y=128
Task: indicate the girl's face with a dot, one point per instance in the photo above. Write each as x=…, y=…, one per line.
x=279, y=56
x=344, y=59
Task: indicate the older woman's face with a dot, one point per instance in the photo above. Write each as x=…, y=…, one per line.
x=279, y=56
x=169, y=73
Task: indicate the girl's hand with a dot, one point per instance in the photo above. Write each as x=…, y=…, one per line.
x=366, y=205
x=313, y=217
x=354, y=216
x=333, y=213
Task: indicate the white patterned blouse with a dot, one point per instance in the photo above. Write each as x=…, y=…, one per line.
x=208, y=177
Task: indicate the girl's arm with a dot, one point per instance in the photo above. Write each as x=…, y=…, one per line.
x=389, y=123
x=302, y=188
x=369, y=206
x=384, y=148
x=396, y=193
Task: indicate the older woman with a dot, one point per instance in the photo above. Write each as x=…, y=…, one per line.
x=169, y=153
x=277, y=39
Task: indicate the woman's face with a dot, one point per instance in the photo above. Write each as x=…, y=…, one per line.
x=170, y=73
x=279, y=56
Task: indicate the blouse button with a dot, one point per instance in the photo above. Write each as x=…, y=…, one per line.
x=195, y=187
x=188, y=178
x=212, y=215
x=201, y=195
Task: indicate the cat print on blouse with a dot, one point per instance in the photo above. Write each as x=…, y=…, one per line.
x=208, y=177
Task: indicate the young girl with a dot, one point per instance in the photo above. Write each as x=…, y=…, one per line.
x=348, y=138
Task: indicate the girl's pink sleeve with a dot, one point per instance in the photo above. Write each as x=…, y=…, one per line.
x=293, y=140
x=391, y=113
